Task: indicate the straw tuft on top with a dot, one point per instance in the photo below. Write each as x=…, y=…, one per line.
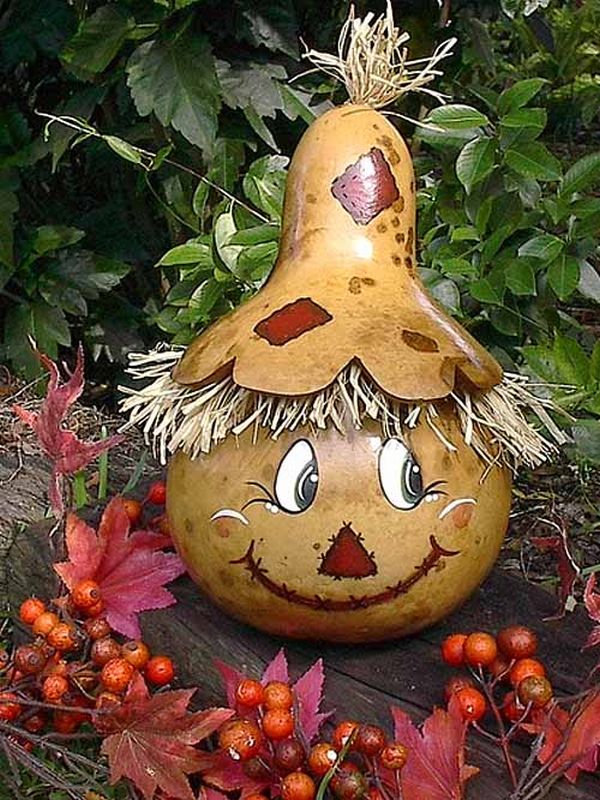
x=372, y=61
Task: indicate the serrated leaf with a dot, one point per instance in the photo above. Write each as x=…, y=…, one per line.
x=99, y=39
x=475, y=162
x=519, y=94
x=457, y=117
x=581, y=175
x=563, y=275
x=520, y=278
x=252, y=85
x=191, y=252
x=273, y=25
x=175, y=79
x=534, y=160
x=545, y=246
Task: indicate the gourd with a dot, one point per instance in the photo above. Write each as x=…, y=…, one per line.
x=341, y=447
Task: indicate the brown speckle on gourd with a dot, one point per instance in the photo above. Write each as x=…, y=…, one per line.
x=399, y=237
x=410, y=238
x=381, y=227
x=395, y=222
x=354, y=286
x=396, y=260
x=399, y=205
x=418, y=341
x=408, y=263
x=311, y=198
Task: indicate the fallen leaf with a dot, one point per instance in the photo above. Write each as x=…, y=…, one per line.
x=591, y=600
x=308, y=692
x=153, y=737
x=568, y=569
x=129, y=567
x=435, y=768
x=67, y=453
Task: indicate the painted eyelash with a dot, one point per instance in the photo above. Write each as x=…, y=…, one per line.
x=264, y=500
x=428, y=490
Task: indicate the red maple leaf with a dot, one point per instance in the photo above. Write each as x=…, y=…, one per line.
x=568, y=569
x=152, y=739
x=130, y=568
x=571, y=743
x=591, y=600
x=67, y=453
x=436, y=767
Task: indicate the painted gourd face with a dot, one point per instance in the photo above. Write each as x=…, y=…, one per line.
x=349, y=525
x=344, y=538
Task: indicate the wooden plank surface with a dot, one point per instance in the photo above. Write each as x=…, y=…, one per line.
x=361, y=681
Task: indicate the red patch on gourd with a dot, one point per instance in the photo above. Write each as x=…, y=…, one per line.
x=366, y=187
x=291, y=321
x=347, y=557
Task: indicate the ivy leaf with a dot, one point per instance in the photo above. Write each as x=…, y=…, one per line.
x=67, y=453
x=519, y=94
x=534, y=160
x=475, y=162
x=252, y=85
x=176, y=80
x=152, y=739
x=436, y=766
x=98, y=39
x=563, y=275
x=130, y=568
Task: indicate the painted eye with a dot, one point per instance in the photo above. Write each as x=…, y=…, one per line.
x=297, y=478
x=400, y=475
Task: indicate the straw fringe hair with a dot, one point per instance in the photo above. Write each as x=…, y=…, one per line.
x=195, y=419
x=372, y=61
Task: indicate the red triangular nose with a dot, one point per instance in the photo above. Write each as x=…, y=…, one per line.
x=347, y=557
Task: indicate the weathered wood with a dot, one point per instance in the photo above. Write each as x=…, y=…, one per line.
x=362, y=681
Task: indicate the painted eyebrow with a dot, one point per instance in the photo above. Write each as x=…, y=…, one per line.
x=230, y=513
x=454, y=504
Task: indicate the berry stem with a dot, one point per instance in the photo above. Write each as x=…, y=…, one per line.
x=503, y=739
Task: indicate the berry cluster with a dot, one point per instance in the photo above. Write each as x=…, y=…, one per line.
x=156, y=496
x=74, y=668
x=506, y=659
x=269, y=744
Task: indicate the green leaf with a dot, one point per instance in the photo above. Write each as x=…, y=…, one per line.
x=475, y=162
x=464, y=233
x=444, y=290
x=519, y=94
x=123, y=149
x=255, y=263
x=264, y=184
x=486, y=291
x=595, y=363
x=273, y=25
x=447, y=139
x=259, y=127
x=9, y=205
x=520, y=278
x=99, y=39
x=581, y=175
x=205, y=296
x=542, y=360
x=457, y=266
x=257, y=235
x=228, y=158
x=48, y=238
x=80, y=105
x=534, y=160
x=494, y=242
x=252, y=85
x=457, y=117
x=223, y=230
x=521, y=125
x=296, y=104
x=589, y=226
x=586, y=433
x=175, y=79
x=563, y=275
x=544, y=246
x=191, y=252
x=589, y=281
x=571, y=360
x=506, y=321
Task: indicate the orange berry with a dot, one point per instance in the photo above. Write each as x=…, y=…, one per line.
x=511, y=709
x=394, y=756
x=525, y=667
x=348, y=782
x=29, y=659
x=85, y=594
x=97, y=628
x=298, y=786
x=4, y=658
x=30, y=610
x=104, y=650
x=453, y=649
x=343, y=731
x=133, y=509
x=10, y=708
x=137, y=653
x=480, y=649
x=116, y=674
x=66, y=722
x=63, y=637
x=454, y=684
x=57, y=666
x=471, y=704
x=321, y=758
x=240, y=738
x=517, y=641
x=370, y=740
x=95, y=610
x=278, y=723
x=250, y=693
x=35, y=723
x=289, y=755
x=157, y=493
x=54, y=688
x=44, y=623
x=278, y=695
x=160, y=670
x=535, y=690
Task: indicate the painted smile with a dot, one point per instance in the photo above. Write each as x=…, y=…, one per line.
x=261, y=574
